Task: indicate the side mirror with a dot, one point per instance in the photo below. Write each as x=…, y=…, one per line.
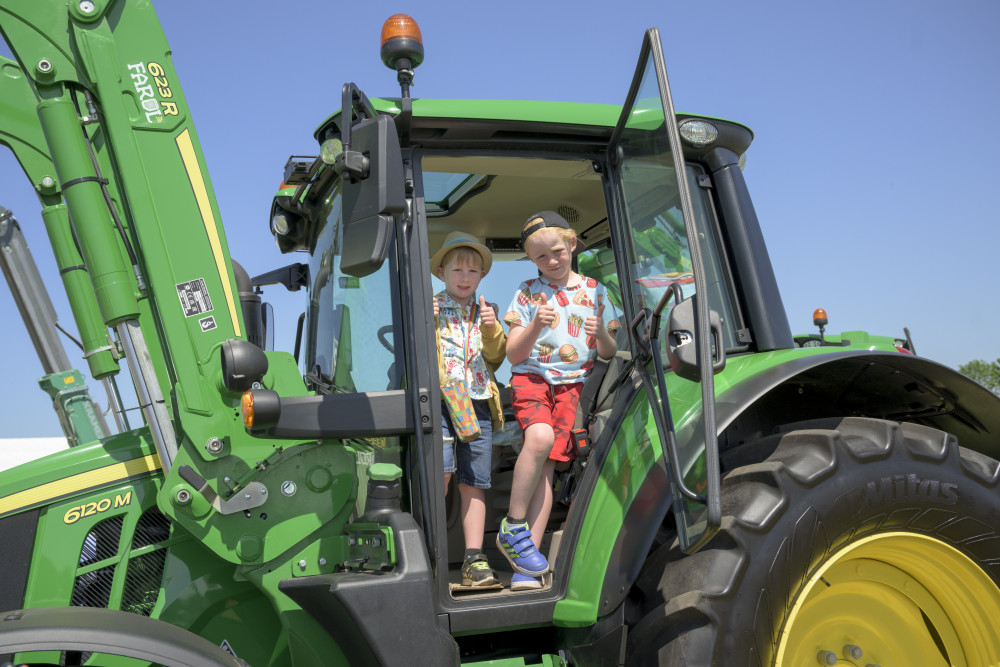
x=268, y=325
x=682, y=352
x=373, y=192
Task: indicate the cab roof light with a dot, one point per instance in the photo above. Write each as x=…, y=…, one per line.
x=402, y=47
x=820, y=320
x=698, y=133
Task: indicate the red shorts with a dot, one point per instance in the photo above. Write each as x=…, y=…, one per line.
x=535, y=401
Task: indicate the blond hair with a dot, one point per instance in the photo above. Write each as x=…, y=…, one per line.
x=463, y=255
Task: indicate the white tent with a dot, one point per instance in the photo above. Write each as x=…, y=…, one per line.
x=15, y=451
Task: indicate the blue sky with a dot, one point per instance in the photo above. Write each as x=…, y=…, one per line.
x=872, y=170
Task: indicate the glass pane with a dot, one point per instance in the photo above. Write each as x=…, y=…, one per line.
x=438, y=187
x=350, y=336
x=660, y=252
x=659, y=249
x=350, y=320
x=659, y=256
x=599, y=263
x=718, y=280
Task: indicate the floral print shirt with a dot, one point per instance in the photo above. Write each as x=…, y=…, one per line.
x=454, y=328
x=563, y=353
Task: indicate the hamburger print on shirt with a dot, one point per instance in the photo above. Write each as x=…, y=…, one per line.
x=563, y=353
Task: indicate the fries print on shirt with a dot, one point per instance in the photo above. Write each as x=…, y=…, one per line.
x=563, y=353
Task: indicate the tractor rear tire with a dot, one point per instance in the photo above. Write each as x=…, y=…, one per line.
x=871, y=543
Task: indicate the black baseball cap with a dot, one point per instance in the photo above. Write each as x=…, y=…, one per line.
x=543, y=219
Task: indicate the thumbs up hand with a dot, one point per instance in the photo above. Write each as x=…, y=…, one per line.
x=546, y=313
x=487, y=316
x=594, y=324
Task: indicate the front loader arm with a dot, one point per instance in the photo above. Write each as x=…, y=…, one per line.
x=117, y=140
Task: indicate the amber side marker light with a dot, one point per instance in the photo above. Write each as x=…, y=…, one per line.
x=246, y=409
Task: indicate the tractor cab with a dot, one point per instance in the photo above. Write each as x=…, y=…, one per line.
x=395, y=176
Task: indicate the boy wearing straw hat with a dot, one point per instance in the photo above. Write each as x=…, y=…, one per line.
x=471, y=345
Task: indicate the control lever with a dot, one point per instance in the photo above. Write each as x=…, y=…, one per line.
x=252, y=495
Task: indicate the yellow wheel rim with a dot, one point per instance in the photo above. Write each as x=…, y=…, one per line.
x=894, y=599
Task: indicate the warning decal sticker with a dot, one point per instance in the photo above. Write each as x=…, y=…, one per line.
x=194, y=297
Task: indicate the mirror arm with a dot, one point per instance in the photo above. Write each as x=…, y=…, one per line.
x=675, y=290
x=641, y=340
x=352, y=163
x=352, y=97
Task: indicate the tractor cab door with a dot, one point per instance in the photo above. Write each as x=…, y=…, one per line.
x=662, y=264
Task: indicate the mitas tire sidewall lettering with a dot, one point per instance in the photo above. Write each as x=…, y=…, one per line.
x=862, y=499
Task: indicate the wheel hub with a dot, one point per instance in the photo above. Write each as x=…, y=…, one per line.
x=890, y=599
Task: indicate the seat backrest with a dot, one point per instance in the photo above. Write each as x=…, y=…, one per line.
x=593, y=397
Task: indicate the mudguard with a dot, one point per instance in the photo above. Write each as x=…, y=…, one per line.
x=108, y=631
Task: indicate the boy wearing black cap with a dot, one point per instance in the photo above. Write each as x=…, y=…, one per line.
x=557, y=326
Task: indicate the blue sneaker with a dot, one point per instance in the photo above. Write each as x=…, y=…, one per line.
x=519, y=582
x=514, y=542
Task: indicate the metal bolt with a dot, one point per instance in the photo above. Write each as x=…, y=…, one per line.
x=44, y=66
x=48, y=181
x=247, y=496
x=263, y=491
x=826, y=658
x=227, y=479
x=288, y=488
x=322, y=561
x=853, y=652
x=86, y=6
x=214, y=445
x=302, y=564
x=183, y=496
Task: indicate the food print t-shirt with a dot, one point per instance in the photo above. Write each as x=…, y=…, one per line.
x=563, y=353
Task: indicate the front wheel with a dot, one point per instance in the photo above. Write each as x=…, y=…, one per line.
x=873, y=543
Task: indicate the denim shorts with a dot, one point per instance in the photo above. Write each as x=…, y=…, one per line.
x=474, y=459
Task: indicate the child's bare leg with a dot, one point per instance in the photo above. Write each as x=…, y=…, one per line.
x=447, y=482
x=538, y=440
x=473, y=515
x=541, y=503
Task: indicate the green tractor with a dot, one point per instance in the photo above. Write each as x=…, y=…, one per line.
x=740, y=496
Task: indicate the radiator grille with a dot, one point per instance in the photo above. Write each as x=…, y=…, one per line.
x=152, y=528
x=143, y=571
x=102, y=541
x=93, y=589
x=142, y=582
